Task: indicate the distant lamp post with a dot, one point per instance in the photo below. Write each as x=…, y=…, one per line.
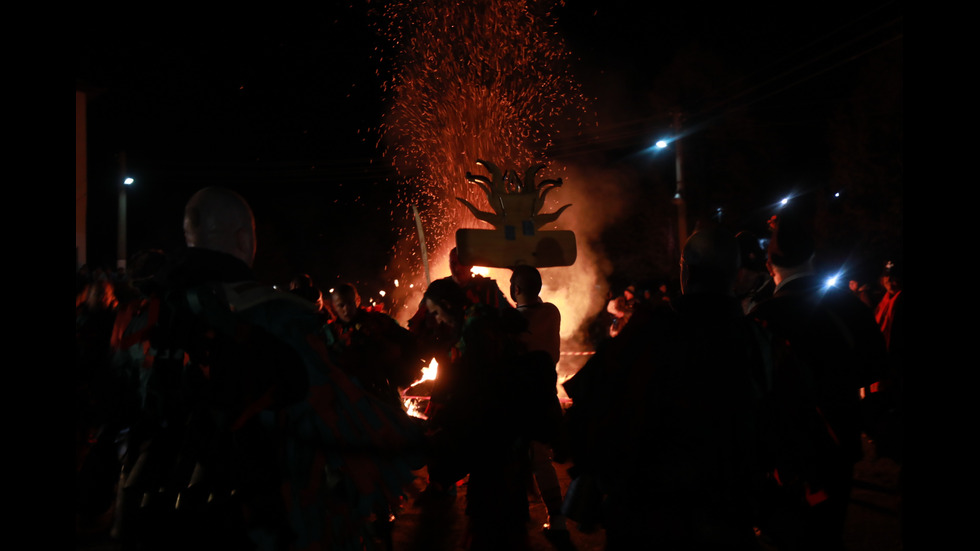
x=679, y=189
x=121, y=243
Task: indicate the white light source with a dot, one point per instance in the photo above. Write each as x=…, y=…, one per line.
x=661, y=144
x=128, y=181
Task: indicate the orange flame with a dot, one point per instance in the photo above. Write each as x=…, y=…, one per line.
x=468, y=81
x=414, y=404
x=429, y=373
x=486, y=80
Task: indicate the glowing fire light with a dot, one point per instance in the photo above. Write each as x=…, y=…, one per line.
x=412, y=402
x=480, y=270
x=480, y=80
x=483, y=80
x=429, y=373
x=412, y=408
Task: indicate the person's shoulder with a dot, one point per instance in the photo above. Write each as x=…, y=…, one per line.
x=275, y=309
x=650, y=324
x=483, y=282
x=478, y=311
x=381, y=320
x=245, y=295
x=551, y=309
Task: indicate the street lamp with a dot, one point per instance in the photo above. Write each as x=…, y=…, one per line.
x=678, y=170
x=679, y=183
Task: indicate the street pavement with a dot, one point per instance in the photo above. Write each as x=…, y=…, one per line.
x=874, y=516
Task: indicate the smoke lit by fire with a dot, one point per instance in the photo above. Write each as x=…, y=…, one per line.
x=486, y=80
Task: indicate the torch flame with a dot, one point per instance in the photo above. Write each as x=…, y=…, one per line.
x=412, y=408
x=413, y=403
x=429, y=373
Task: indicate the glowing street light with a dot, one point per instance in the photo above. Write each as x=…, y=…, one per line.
x=663, y=143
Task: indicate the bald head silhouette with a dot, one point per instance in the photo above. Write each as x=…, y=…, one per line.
x=525, y=284
x=710, y=262
x=219, y=219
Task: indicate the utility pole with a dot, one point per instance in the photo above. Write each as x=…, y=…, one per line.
x=679, y=190
x=121, y=234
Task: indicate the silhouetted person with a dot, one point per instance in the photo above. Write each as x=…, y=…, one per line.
x=371, y=346
x=861, y=290
x=433, y=336
x=754, y=283
x=601, y=322
x=479, y=427
x=543, y=336
x=621, y=308
x=380, y=355
x=302, y=286
x=664, y=419
x=247, y=436
x=827, y=347
x=95, y=385
x=889, y=314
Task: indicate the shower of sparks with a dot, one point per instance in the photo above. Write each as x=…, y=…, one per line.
x=488, y=79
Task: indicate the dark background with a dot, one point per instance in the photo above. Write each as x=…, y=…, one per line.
x=285, y=107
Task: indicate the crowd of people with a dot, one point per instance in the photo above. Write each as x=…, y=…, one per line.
x=732, y=414
x=215, y=411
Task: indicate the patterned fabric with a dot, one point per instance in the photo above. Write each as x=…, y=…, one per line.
x=885, y=315
x=235, y=376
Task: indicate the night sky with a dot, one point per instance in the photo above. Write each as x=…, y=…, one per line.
x=285, y=109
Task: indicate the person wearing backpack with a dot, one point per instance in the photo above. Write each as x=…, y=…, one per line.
x=247, y=436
